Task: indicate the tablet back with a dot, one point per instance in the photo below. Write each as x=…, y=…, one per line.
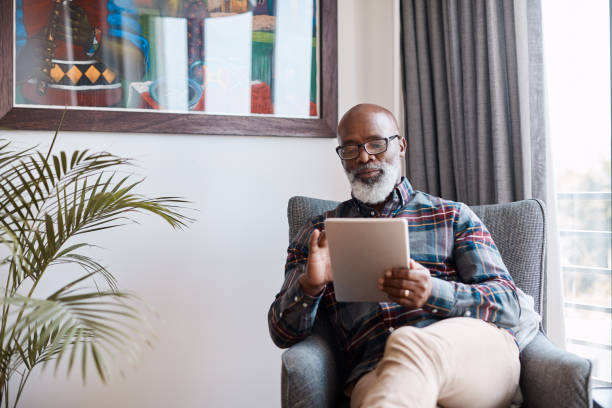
x=361, y=249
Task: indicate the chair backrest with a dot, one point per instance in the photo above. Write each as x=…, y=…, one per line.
x=517, y=228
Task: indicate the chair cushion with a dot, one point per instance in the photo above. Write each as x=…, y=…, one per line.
x=518, y=230
x=301, y=209
x=551, y=377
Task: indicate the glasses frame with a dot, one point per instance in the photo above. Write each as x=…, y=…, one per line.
x=359, y=146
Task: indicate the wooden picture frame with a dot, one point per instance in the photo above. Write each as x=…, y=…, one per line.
x=109, y=120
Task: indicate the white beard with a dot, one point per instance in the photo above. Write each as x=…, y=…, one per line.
x=376, y=190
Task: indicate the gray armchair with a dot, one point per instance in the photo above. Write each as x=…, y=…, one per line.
x=312, y=372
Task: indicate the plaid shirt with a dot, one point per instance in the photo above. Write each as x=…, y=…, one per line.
x=469, y=279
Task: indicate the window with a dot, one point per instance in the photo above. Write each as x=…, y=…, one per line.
x=577, y=51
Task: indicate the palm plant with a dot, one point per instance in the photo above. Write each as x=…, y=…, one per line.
x=47, y=203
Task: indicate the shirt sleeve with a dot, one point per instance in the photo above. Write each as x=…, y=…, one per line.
x=485, y=289
x=292, y=314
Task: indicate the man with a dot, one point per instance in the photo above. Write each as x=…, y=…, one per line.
x=444, y=337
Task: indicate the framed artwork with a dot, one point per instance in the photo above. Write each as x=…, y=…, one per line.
x=218, y=67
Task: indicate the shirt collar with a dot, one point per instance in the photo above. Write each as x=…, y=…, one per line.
x=405, y=191
x=401, y=195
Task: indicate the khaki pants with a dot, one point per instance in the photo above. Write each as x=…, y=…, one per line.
x=457, y=362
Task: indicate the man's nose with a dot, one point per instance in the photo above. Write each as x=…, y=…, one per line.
x=364, y=156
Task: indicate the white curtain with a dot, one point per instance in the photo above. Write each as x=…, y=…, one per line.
x=537, y=154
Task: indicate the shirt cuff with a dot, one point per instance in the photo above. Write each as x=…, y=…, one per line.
x=442, y=300
x=297, y=304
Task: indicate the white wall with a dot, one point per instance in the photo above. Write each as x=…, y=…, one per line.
x=369, y=54
x=213, y=283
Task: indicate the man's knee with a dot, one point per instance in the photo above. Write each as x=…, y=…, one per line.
x=405, y=335
x=408, y=342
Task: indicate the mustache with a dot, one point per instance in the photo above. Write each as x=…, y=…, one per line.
x=368, y=166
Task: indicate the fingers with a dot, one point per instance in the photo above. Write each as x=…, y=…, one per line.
x=413, y=273
x=411, y=294
x=314, y=239
x=415, y=265
x=398, y=287
x=402, y=289
x=323, y=239
x=408, y=287
x=318, y=239
x=407, y=302
x=398, y=273
x=318, y=268
x=396, y=283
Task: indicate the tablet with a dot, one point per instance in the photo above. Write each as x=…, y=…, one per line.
x=361, y=249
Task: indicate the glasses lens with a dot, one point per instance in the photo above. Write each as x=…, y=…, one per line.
x=349, y=152
x=376, y=146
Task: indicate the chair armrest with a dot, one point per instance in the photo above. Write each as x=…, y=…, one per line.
x=309, y=376
x=551, y=377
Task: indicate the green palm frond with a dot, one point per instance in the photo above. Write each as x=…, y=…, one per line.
x=88, y=264
x=8, y=156
x=48, y=203
x=98, y=324
x=76, y=198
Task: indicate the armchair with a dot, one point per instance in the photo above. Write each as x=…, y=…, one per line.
x=312, y=371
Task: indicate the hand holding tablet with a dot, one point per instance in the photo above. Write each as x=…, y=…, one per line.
x=410, y=287
x=318, y=270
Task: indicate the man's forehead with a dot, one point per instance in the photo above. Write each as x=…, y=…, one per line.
x=366, y=123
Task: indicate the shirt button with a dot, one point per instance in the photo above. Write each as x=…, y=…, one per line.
x=434, y=311
x=390, y=329
x=295, y=299
x=468, y=313
x=304, y=304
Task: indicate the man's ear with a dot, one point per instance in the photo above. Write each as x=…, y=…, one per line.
x=402, y=145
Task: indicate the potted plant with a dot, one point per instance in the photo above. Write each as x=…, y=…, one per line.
x=49, y=204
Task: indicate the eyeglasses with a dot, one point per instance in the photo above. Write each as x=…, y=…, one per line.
x=376, y=146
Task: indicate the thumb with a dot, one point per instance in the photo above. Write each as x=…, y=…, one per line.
x=323, y=239
x=314, y=238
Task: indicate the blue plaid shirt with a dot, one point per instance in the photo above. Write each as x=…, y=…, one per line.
x=469, y=279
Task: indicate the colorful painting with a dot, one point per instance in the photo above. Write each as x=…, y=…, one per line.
x=223, y=57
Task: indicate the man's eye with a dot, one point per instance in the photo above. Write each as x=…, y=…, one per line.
x=349, y=149
x=379, y=144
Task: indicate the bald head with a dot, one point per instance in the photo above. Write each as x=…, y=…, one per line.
x=367, y=118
